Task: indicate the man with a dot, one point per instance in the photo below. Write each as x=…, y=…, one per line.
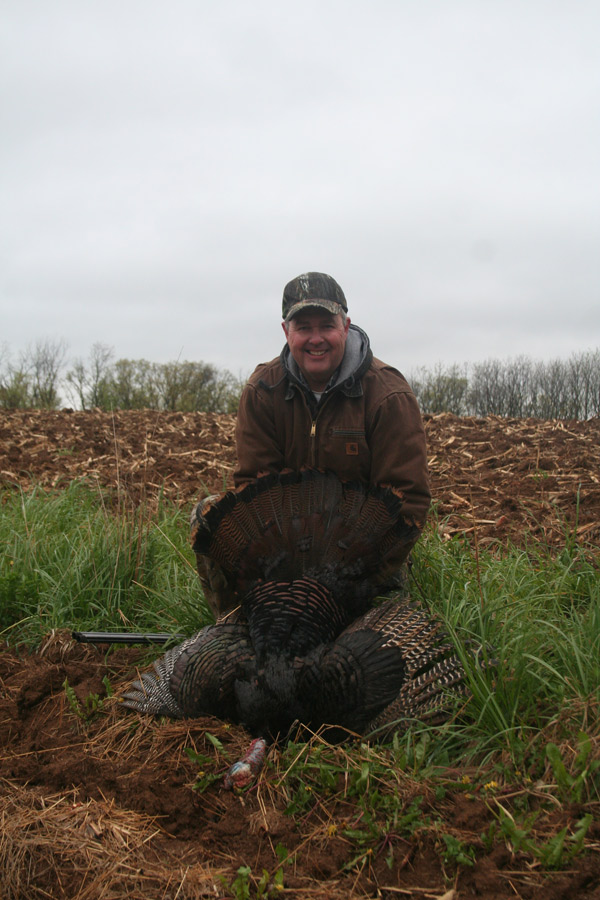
x=327, y=402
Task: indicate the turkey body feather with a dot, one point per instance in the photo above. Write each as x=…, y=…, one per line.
x=304, y=555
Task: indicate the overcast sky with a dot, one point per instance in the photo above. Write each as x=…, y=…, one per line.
x=168, y=166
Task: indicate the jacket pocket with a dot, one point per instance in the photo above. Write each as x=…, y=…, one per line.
x=350, y=455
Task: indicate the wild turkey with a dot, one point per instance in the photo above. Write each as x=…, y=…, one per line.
x=304, y=555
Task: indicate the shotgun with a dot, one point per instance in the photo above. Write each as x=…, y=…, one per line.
x=124, y=637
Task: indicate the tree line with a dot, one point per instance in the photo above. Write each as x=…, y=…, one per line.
x=42, y=379
x=520, y=387
x=517, y=388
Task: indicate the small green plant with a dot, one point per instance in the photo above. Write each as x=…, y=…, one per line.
x=91, y=706
x=571, y=787
x=315, y=771
x=267, y=886
x=541, y=475
x=456, y=852
x=554, y=853
x=205, y=777
x=488, y=837
x=240, y=886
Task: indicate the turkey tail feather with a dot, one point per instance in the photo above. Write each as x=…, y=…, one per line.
x=309, y=523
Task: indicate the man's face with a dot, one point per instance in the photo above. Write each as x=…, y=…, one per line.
x=317, y=340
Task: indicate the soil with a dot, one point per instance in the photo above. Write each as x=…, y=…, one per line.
x=97, y=802
x=494, y=479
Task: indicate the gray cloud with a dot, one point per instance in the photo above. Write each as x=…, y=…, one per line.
x=165, y=170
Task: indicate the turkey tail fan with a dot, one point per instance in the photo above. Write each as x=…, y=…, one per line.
x=281, y=527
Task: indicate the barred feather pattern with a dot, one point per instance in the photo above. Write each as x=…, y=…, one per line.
x=152, y=693
x=430, y=697
x=389, y=667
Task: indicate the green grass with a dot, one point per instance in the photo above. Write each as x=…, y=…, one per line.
x=72, y=561
x=538, y=614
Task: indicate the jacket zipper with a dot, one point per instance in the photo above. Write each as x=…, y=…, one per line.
x=313, y=442
x=313, y=430
x=313, y=433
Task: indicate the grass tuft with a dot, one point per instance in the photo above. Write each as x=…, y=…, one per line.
x=72, y=562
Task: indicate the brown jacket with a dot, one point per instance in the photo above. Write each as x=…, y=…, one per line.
x=366, y=427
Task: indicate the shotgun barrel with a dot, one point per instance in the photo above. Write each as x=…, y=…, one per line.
x=124, y=637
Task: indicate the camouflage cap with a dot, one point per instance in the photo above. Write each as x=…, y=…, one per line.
x=313, y=289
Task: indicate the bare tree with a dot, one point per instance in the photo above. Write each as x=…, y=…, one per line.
x=15, y=389
x=76, y=382
x=44, y=363
x=89, y=383
x=487, y=390
x=583, y=384
x=441, y=390
x=551, y=390
x=100, y=360
x=591, y=382
x=517, y=383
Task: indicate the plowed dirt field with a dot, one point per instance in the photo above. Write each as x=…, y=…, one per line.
x=498, y=478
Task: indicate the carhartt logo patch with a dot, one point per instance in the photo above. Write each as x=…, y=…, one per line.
x=351, y=448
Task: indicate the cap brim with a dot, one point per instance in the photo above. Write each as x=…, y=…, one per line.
x=329, y=305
